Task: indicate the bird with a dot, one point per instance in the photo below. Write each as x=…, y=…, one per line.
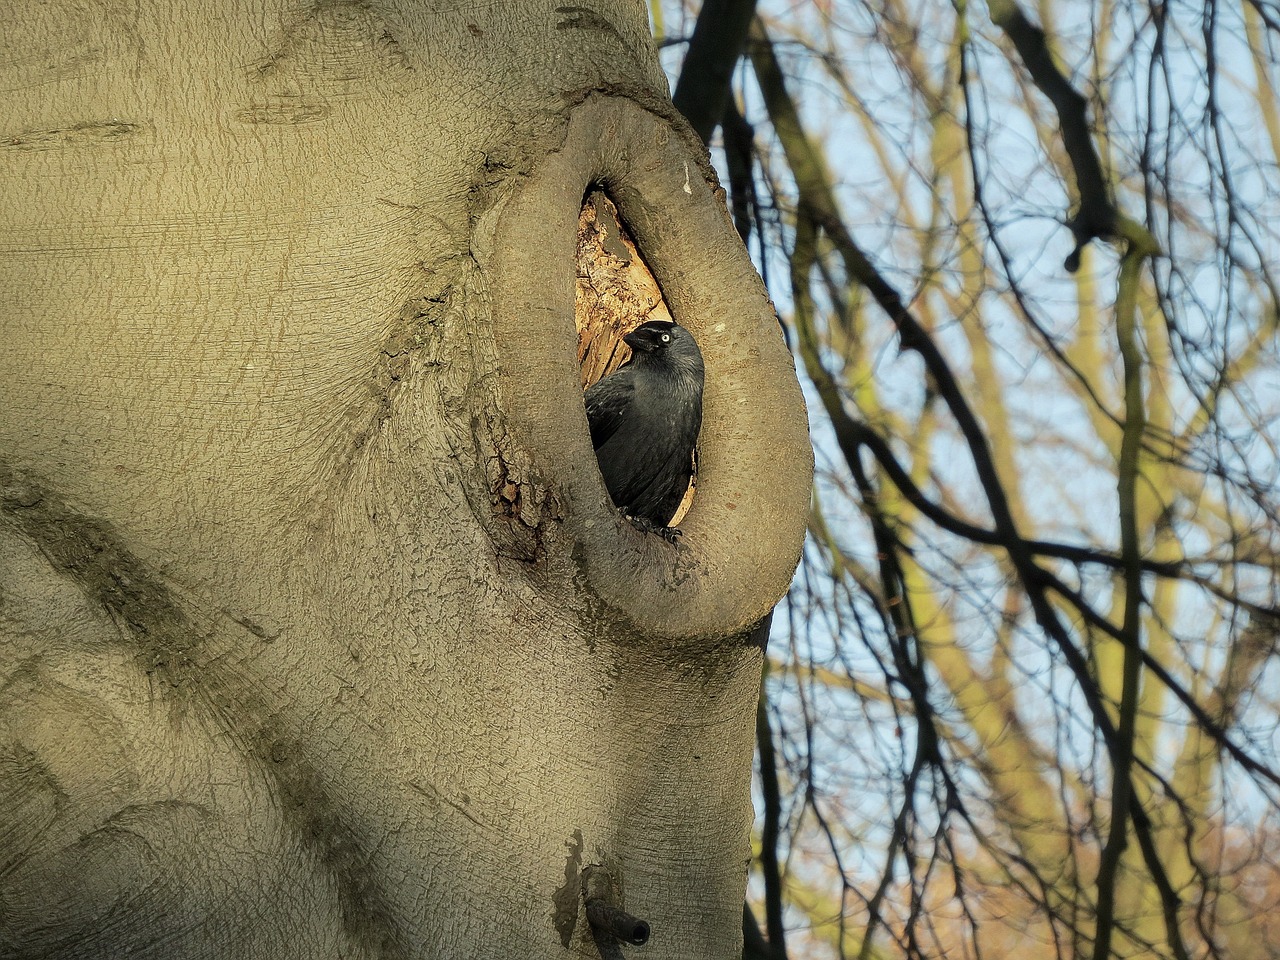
x=644, y=419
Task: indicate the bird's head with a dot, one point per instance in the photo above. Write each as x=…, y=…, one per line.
x=659, y=340
x=652, y=337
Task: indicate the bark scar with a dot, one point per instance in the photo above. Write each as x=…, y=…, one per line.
x=567, y=896
x=521, y=499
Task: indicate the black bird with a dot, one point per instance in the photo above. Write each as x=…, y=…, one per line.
x=645, y=419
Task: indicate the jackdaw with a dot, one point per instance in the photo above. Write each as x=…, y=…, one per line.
x=644, y=422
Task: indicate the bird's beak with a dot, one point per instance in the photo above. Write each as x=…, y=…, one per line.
x=632, y=341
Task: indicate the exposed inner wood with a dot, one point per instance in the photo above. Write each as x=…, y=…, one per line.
x=615, y=290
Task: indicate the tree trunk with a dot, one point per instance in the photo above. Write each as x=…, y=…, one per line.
x=319, y=636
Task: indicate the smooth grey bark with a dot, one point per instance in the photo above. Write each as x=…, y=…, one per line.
x=318, y=634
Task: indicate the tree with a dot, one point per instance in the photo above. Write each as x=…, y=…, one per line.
x=1025, y=699
x=319, y=634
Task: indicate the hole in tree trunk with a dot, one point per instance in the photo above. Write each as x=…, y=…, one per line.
x=614, y=294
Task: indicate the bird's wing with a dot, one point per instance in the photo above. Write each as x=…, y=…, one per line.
x=607, y=402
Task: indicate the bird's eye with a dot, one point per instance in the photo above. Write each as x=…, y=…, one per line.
x=666, y=338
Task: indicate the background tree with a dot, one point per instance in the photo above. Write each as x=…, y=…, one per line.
x=1023, y=694
x=318, y=634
